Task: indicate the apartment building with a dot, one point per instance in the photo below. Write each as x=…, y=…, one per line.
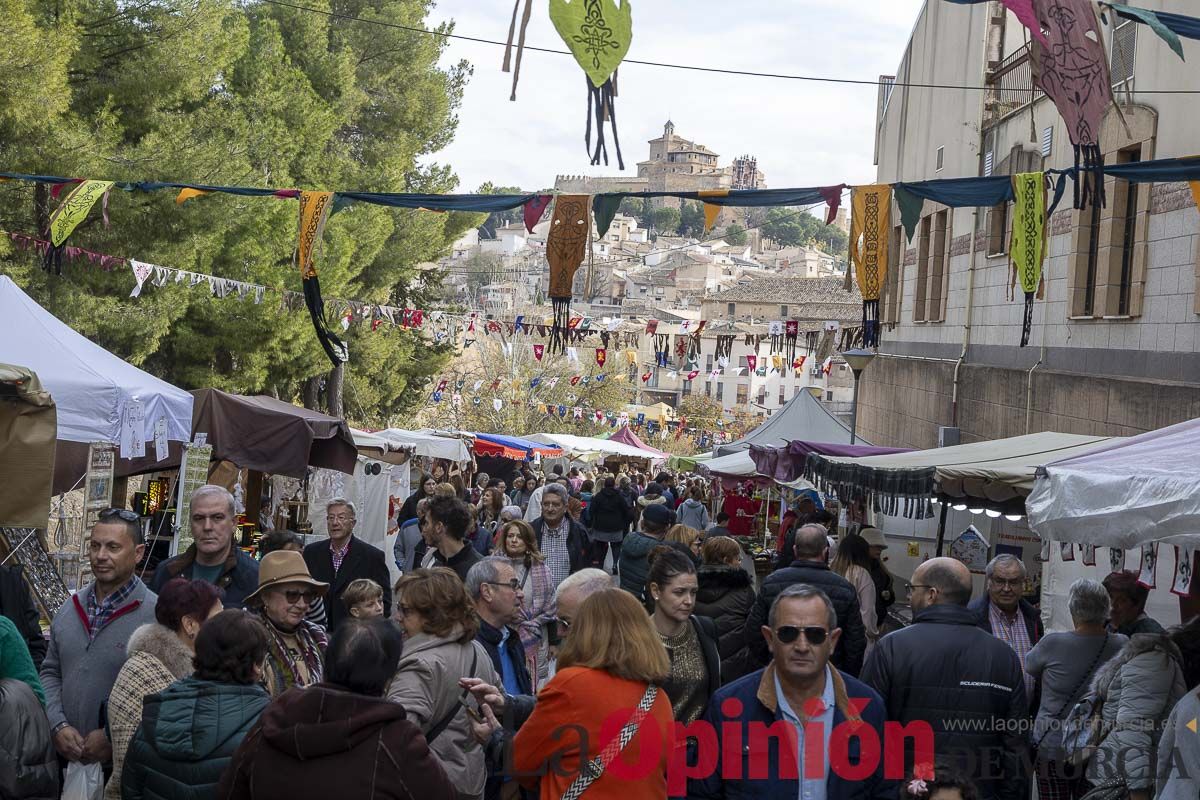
x=1113, y=343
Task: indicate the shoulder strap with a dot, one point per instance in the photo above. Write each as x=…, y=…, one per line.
x=1069, y=703
x=445, y=721
x=591, y=770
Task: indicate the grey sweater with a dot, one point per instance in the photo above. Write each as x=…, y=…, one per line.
x=1179, y=752
x=78, y=675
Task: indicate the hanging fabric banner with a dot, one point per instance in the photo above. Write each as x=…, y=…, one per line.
x=1071, y=67
x=604, y=209
x=538, y=351
x=601, y=356
x=870, y=224
x=1027, y=246
x=832, y=195
x=140, y=273
x=711, y=212
x=533, y=209
x=314, y=210
x=187, y=194
x=566, y=245
x=66, y=218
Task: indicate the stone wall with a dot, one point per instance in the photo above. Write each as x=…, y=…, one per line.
x=903, y=401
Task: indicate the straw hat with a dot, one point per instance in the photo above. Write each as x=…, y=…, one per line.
x=284, y=566
x=874, y=537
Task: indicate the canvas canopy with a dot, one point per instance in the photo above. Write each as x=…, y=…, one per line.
x=585, y=446
x=429, y=444
x=627, y=436
x=687, y=463
x=269, y=435
x=803, y=417
x=994, y=474
x=96, y=393
x=734, y=465
x=1130, y=492
x=512, y=447
x=27, y=439
x=379, y=448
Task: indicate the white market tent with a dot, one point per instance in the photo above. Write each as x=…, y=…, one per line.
x=95, y=392
x=428, y=443
x=1134, y=491
x=802, y=418
x=735, y=465
x=587, y=447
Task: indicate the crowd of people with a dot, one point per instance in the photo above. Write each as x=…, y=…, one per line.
x=593, y=634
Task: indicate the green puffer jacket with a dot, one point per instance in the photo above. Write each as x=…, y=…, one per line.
x=188, y=734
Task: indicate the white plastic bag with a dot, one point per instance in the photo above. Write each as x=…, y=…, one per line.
x=83, y=782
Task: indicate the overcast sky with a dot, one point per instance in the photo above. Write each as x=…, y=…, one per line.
x=802, y=133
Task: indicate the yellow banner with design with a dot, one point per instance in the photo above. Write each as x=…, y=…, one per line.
x=75, y=208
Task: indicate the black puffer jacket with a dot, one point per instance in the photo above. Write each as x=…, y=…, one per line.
x=726, y=597
x=609, y=512
x=965, y=683
x=851, y=647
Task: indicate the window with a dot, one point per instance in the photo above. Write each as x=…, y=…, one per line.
x=997, y=221
x=1047, y=140
x=762, y=395
x=1123, y=51
x=783, y=312
x=708, y=388
x=709, y=362
x=893, y=284
x=743, y=395
x=941, y=158
x=687, y=387
x=781, y=400
x=989, y=161
x=932, y=263
x=829, y=397
x=731, y=309
x=742, y=362
x=720, y=390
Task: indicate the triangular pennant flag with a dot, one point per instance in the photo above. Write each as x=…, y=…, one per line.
x=534, y=208
x=832, y=195
x=711, y=211
x=140, y=273
x=646, y=375
x=601, y=355
x=604, y=209
x=538, y=351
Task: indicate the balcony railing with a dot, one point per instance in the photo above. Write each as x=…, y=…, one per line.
x=1010, y=87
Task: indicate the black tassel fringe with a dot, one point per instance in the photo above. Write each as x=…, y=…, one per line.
x=1027, y=324
x=870, y=323
x=602, y=106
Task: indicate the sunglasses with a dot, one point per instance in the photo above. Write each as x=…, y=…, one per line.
x=296, y=595
x=790, y=633
x=120, y=513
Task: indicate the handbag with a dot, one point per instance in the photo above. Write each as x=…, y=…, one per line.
x=593, y=769
x=1067, y=704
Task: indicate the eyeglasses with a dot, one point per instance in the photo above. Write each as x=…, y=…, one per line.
x=790, y=633
x=563, y=622
x=338, y=518
x=120, y=513
x=912, y=586
x=294, y=596
x=1011, y=583
x=514, y=584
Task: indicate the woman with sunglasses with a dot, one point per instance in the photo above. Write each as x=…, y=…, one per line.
x=295, y=647
x=691, y=641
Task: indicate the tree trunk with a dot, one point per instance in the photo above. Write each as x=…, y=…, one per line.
x=312, y=393
x=41, y=208
x=333, y=390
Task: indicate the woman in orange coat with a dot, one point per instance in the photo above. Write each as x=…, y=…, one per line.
x=611, y=661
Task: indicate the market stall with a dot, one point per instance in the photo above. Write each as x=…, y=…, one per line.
x=802, y=418
x=430, y=444
x=626, y=436
x=590, y=449
x=512, y=447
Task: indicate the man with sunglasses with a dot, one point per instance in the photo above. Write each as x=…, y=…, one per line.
x=213, y=555
x=966, y=684
x=88, y=637
x=811, y=567
x=800, y=699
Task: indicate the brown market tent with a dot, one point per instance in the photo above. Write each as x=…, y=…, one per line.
x=268, y=435
x=28, y=433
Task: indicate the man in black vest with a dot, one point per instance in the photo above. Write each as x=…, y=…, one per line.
x=343, y=558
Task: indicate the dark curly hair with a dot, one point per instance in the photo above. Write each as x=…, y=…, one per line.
x=943, y=778
x=181, y=598
x=363, y=655
x=229, y=647
x=278, y=540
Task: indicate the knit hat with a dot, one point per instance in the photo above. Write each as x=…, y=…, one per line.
x=659, y=515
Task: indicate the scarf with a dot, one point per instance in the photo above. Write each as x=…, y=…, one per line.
x=282, y=662
x=870, y=222
x=1027, y=248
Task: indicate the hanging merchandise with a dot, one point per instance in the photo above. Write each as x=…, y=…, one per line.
x=314, y=211
x=566, y=245
x=1027, y=247
x=870, y=225
x=751, y=362
x=724, y=346
x=630, y=357
x=1181, y=584
x=662, y=349
x=1149, y=562
x=1071, y=67
x=508, y=65
x=66, y=218
x=598, y=34
x=775, y=329
x=791, y=333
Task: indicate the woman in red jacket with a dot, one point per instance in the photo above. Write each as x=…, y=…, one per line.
x=611, y=663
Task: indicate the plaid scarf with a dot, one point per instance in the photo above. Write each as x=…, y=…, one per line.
x=283, y=661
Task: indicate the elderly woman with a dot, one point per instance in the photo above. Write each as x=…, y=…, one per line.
x=191, y=729
x=516, y=541
x=158, y=654
x=295, y=647
x=290, y=540
x=439, y=622
x=377, y=752
x=1065, y=663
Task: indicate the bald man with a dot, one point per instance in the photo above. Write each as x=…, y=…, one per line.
x=965, y=683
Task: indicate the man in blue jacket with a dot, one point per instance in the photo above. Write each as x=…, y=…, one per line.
x=792, y=718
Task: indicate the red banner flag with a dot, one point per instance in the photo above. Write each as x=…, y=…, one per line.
x=538, y=350
x=601, y=355
x=646, y=376
x=752, y=362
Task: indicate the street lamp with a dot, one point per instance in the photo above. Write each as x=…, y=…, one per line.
x=858, y=359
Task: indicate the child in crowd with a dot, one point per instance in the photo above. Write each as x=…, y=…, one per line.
x=928, y=783
x=364, y=598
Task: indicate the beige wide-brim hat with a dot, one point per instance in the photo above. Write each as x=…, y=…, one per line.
x=280, y=567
